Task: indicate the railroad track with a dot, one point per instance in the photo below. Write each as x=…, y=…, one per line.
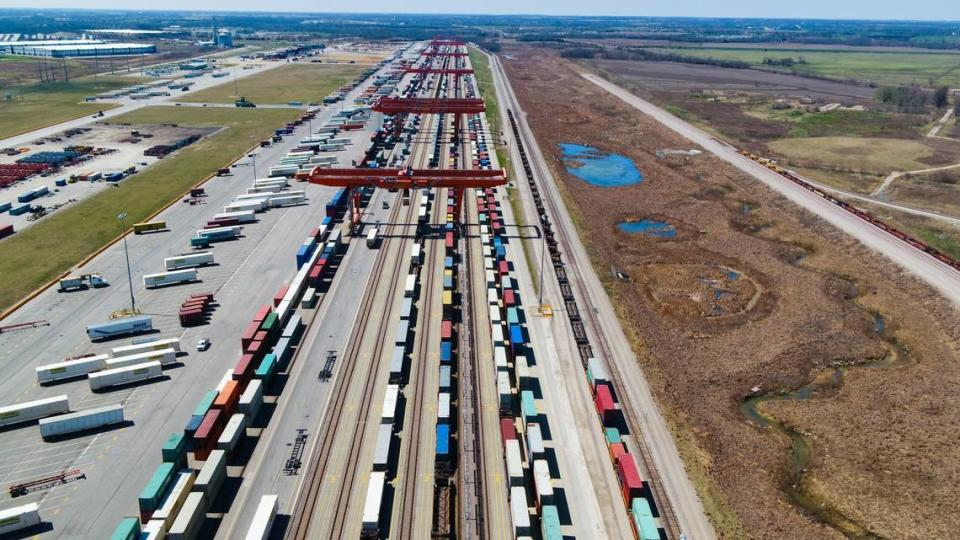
x=304, y=511
x=667, y=514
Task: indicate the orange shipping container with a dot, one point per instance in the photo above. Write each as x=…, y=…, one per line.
x=227, y=399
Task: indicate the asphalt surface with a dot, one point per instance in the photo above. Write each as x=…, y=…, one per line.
x=596, y=305
x=117, y=463
x=935, y=273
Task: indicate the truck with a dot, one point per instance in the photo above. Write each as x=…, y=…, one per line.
x=82, y=282
x=243, y=102
x=175, y=277
x=120, y=327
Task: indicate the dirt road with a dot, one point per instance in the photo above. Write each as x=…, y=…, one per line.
x=942, y=277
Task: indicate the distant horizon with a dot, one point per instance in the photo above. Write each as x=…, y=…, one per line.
x=284, y=7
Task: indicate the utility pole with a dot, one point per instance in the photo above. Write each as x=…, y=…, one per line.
x=543, y=254
x=133, y=303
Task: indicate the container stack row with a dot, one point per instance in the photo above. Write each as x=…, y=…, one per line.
x=637, y=494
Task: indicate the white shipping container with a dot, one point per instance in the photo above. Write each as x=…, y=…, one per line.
x=493, y=298
x=252, y=399
x=235, y=429
x=233, y=230
x=81, y=421
x=443, y=408
x=535, y=441
x=188, y=261
x=171, y=504
x=389, y=404
x=164, y=356
x=71, y=368
x=19, y=517
x=519, y=511
x=227, y=377
x=156, y=345
x=514, y=462
x=32, y=410
x=252, y=197
x=411, y=285
x=381, y=454
x=189, y=518
x=153, y=530
x=264, y=189
x=270, y=181
x=500, y=358
x=211, y=475
x=371, y=505
x=169, y=278
x=240, y=206
x=263, y=518
x=244, y=216
x=542, y=482
x=494, y=314
x=288, y=200
x=124, y=375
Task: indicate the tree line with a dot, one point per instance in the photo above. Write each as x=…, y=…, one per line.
x=912, y=98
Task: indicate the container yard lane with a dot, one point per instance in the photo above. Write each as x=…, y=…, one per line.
x=115, y=463
x=679, y=510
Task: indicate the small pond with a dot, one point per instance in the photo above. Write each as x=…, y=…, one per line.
x=650, y=227
x=601, y=169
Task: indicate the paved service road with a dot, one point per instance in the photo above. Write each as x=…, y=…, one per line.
x=939, y=275
x=655, y=433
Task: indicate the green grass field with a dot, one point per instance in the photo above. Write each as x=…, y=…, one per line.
x=40, y=105
x=293, y=82
x=855, y=153
x=481, y=70
x=884, y=68
x=38, y=254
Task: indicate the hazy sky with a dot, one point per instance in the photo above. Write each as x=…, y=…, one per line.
x=822, y=9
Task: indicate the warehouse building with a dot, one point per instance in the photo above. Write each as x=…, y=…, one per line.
x=77, y=48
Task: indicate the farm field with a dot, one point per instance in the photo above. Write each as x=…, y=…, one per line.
x=749, y=303
x=304, y=82
x=41, y=105
x=41, y=252
x=883, y=68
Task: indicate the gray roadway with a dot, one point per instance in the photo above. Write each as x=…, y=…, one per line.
x=117, y=463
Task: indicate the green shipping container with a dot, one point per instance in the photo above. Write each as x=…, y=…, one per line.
x=175, y=448
x=205, y=403
x=550, y=523
x=157, y=486
x=613, y=435
x=271, y=325
x=127, y=529
x=643, y=518
x=267, y=367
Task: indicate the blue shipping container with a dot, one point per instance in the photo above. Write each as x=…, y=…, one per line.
x=443, y=441
x=516, y=335
x=5, y=206
x=446, y=352
x=20, y=210
x=303, y=255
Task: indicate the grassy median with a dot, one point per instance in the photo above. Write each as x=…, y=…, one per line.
x=40, y=105
x=305, y=82
x=47, y=249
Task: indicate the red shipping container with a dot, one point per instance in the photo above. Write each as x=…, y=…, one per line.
x=277, y=298
x=606, y=408
x=315, y=233
x=508, y=298
x=446, y=329
x=261, y=336
x=244, y=369
x=616, y=450
x=208, y=296
x=257, y=349
x=508, y=431
x=262, y=314
x=207, y=434
x=630, y=481
x=249, y=333
x=314, y=275
x=6, y=230
x=449, y=241
x=504, y=267
x=228, y=397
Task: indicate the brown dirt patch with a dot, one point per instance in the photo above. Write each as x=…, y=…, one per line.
x=884, y=443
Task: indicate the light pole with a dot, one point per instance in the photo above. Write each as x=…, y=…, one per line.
x=126, y=254
x=543, y=253
x=253, y=156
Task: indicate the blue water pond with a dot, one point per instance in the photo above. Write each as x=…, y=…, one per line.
x=650, y=227
x=600, y=168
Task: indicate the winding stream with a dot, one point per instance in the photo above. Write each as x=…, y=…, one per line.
x=797, y=484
